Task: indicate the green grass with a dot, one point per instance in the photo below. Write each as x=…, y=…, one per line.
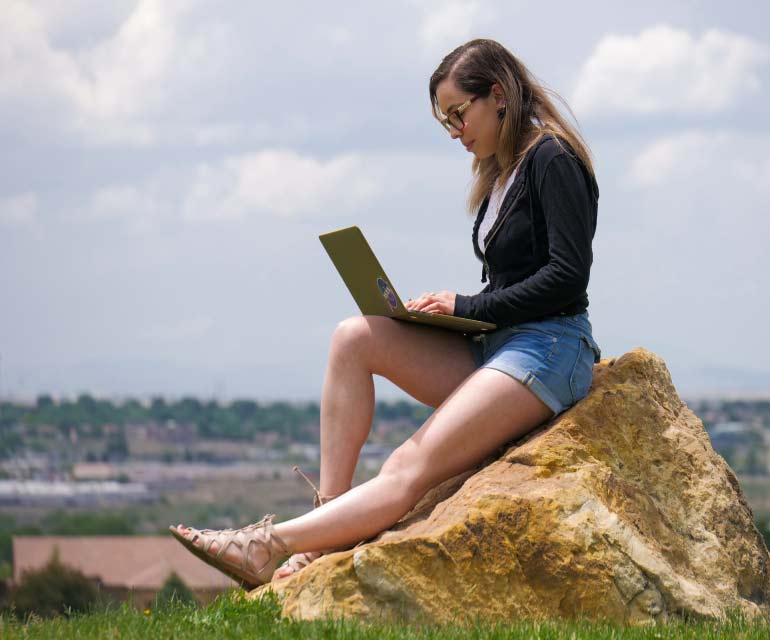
x=235, y=617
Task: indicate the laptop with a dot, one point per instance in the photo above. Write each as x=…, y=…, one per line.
x=372, y=290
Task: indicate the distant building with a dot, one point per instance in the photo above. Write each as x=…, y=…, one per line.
x=94, y=471
x=43, y=493
x=743, y=446
x=169, y=431
x=124, y=567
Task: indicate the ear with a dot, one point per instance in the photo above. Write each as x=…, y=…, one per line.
x=497, y=92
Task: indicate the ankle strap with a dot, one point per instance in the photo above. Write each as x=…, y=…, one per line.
x=318, y=497
x=272, y=535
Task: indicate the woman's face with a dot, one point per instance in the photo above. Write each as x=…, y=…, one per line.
x=480, y=118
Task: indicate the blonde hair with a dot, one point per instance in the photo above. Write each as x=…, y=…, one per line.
x=529, y=112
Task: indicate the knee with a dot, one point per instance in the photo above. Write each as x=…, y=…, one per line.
x=360, y=333
x=402, y=465
x=351, y=333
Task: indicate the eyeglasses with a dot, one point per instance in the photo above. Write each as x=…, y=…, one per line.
x=454, y=119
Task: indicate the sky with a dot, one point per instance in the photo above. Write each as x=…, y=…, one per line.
x=166, y=167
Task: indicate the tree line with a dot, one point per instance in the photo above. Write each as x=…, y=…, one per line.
x=241, y=419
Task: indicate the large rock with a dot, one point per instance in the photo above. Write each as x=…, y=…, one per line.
x=619, y=508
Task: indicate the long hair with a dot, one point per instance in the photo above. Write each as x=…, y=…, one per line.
x=529, y=112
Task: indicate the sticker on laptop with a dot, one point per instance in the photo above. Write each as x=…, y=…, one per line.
x=387, y=293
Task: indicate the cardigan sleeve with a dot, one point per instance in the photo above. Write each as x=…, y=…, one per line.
x=569, y=211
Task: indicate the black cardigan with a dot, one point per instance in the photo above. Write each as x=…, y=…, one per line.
x=538, y=252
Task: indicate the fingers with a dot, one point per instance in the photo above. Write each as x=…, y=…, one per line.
x=431, y=302
x=435, y=307
x=421, y=302
x=431, y=305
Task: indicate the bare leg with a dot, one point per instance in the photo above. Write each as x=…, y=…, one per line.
x=405, y=353
x=488, y=409
x=409, y=355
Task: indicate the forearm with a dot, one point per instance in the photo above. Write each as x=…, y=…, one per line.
x=542, y=294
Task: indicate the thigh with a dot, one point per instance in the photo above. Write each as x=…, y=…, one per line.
x=487, y=410
x=426, y=362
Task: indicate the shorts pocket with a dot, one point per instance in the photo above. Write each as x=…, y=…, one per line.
x=597, y=352
x=583, y=371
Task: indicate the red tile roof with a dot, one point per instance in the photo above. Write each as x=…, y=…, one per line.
x=134, y=562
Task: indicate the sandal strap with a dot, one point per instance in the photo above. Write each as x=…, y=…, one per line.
x=243, y=539
x=301, y=560
x=318, y=497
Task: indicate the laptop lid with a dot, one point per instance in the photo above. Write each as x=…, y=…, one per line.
x=372, y=289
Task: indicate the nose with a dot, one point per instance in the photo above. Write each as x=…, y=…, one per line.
x=455, y=133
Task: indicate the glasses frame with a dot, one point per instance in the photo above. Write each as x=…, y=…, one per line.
x=458, y=112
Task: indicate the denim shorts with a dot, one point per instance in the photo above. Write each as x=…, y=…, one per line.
x=554, y=357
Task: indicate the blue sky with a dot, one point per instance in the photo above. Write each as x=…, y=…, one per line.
x=167, y=167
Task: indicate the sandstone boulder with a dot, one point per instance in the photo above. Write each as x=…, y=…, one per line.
x=618, y=508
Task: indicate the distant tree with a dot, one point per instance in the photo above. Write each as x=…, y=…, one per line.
x=159, y=410
x=88, y=523
x=174, y=590
x=244, y=409
x=10, y=443
x=116, y=447
x=44, y=401
x=53, y=590
x=86, y=403
x=188, y=409
x=756, y=461
x=10, y=414
x=132, y=411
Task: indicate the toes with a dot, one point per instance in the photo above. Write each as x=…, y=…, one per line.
x=187, y=533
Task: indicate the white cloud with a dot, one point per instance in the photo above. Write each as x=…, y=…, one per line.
x=275, y=182
x=695, y=159
x=106, y=92
x=19, y=209
x=280, y=182
x=695, y=190
x=667, y=70
x=452, y=22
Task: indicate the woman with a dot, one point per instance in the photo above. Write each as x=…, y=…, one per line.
x=535, y=199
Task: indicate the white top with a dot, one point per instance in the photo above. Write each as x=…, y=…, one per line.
x=493, y=208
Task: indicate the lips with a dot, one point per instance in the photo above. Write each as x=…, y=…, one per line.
x=469, y=145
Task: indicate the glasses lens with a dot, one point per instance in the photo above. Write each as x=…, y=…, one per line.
x=456, y=121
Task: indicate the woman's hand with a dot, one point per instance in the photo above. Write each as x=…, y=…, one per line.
x=441, y=302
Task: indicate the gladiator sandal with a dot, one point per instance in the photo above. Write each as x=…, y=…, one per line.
x=301, y=560
x=244, y=572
